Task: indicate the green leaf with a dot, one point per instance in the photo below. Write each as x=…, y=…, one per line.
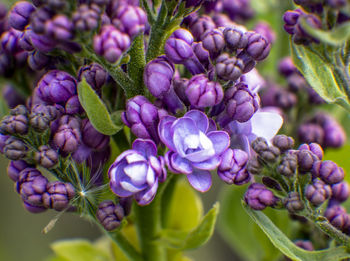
x=78, y=250
x=336, y=37
x=287, y=247
x=319, y=75
x=183, y=240
x=96, y=110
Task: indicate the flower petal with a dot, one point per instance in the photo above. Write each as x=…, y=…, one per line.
x=220, y=140
x=180, y=164
x=266, y=124
x=137, y=172
x=115, y=174
x=164, y=131
x=200, y=180
x=182, y=128
x=209, y=164
x=199, y=118
x=146, y=196
x=145, y=147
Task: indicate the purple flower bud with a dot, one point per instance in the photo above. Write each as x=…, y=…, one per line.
x=110, y=215
x=235, y=38
x=283, y=142
x=57, y=195
x=19, y=15
x=238, y=10
x=60, y=28
x=328, y=171
x=232, y=167
x=278, y=96
x=31, y=185
x=38, y=60
x=213, y=41
x=38, y=19
x=71, y=121
x=288, y=164
x=40, y=42
x=271, y=183
x=254, y=167
x=203, y=93
x=94, y=74
x=291, y=18
x=340, y=191
x=142, y=117
x=201, y=25
x=86, y=17
x=300, y=34
x=39, y=122
x=201, y=53
x=92, y=138
x=334, y=134
x=25, y=41
x=310, y=132
x=67, y=139
x=3, y=139
x=12, y=96
x=136, y=172
x=111, y=43
x=240, y=104
x=46, y=157
x=15, y=167
x=314, y=148
x=126, y=204
x=306, y=160
x=258, y=197
x=97, y=159
x=130, y=19
x=56, y=87
x=229, y=68
x=158, y=75
x=258, y=47
x=73, y=106
x=33, y=208
x=14, y=124
x=9, y=41
x=338, y=217
x=222, y=20
x=265, y=30
x=286, y=67
x=293, y=203
x=318, y=192
x=304, y=244
x=180, y=86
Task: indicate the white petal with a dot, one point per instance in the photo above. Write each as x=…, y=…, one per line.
x=266, y=124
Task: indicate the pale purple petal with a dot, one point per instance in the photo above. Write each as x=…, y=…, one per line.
x=180, y=164
x=199, y=118
x=164, y=131
x=200, y=180
x=145, y=197
x=209, y=164
x=146, y=147
x=220, y=140
x=266, y=124
x=115, y=175
x=183, y=127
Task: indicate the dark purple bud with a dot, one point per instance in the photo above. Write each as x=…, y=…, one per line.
x=31, y=185
x=340, y=191
x=41, y=42
x=201, y=25
x=304, y=244
x=213, y=41
x=306, y=160
x=158, y=75
x=180, y=86
x=271, y=183
x=110, y=215
x=15, y=167
x=39, y=18
x=334, y=134
x=126, y=204
x=296, y=82
x=56, y=87
x=57, y=195
x=232, y=168
x=25, y=41
x=314, y=148
x=67, y=139
x=142, y=117
x=203, y=93
x=293, y=203
x=172, y=102
x=338, y=217
x=258, y=47
x=92, y=138
x=201, y=53
x=270, y=155
x=46, y=157
x=71, y=121
x=14, y=124
x=86, y=17
x=19, y=15
x=318, y=192
x=193, y=3
x=130, y=19
x=278, y=96
x=258, y=197
x=286, y=67
x=12, y=96
x=97, y=160
x=235, y=38
x=310, y=132
x=94, y=74
x=300, y=34
x=229, y=68
x=290, y=19
x=3, y=139
x=9, y=42
x=73, y=106
x=33, y=208
x=60, y=28
x=38, y=60
x=259, y=145
x=238, y=10
x=265, y=30
x=288, y=164
x=248, y=62
x=19, y=110
x=50, y=112
x=240, y=104
x=328, y=171
x=254, y=166
x=222, y=20
x=111, y=43
x=283, y=142
x=39, y=122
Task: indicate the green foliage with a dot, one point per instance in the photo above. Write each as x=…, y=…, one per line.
x=96, y=110
x=183, y=240
x=319, y=74
x=287, y=247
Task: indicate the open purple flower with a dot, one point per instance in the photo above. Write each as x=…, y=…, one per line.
x=136, y=172
x=194, y=146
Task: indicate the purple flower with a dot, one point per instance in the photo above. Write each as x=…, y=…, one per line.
x=286, y=67
x=94, y=74
x=46, y=157
x=340, y=191
x=338, y=217
x=311, y=132
x=229, y=68
x=92, y=138
x=15, y=167
x=213, y=41
x=67, y=139
x=328, y=171
x=60, y=28
x=314, y=148
x=111, y=43
x=201, y=25
x=265, y=30
x=258, y=197
x=203, y=93
x=194, y=146
x=258, y=47
x=318, y=192
x=57, y=195
x=136, y=172
x=86, y=17
x=235, y=38
x=19, y=15
x=232, y=168
x=238, y=9
x=73, y=106
x=110, y=215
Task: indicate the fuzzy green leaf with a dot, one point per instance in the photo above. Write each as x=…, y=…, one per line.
x=287, y=247
x=96, y=110
x=319, y=75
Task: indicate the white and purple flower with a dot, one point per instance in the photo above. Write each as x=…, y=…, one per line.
x=195, y=146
